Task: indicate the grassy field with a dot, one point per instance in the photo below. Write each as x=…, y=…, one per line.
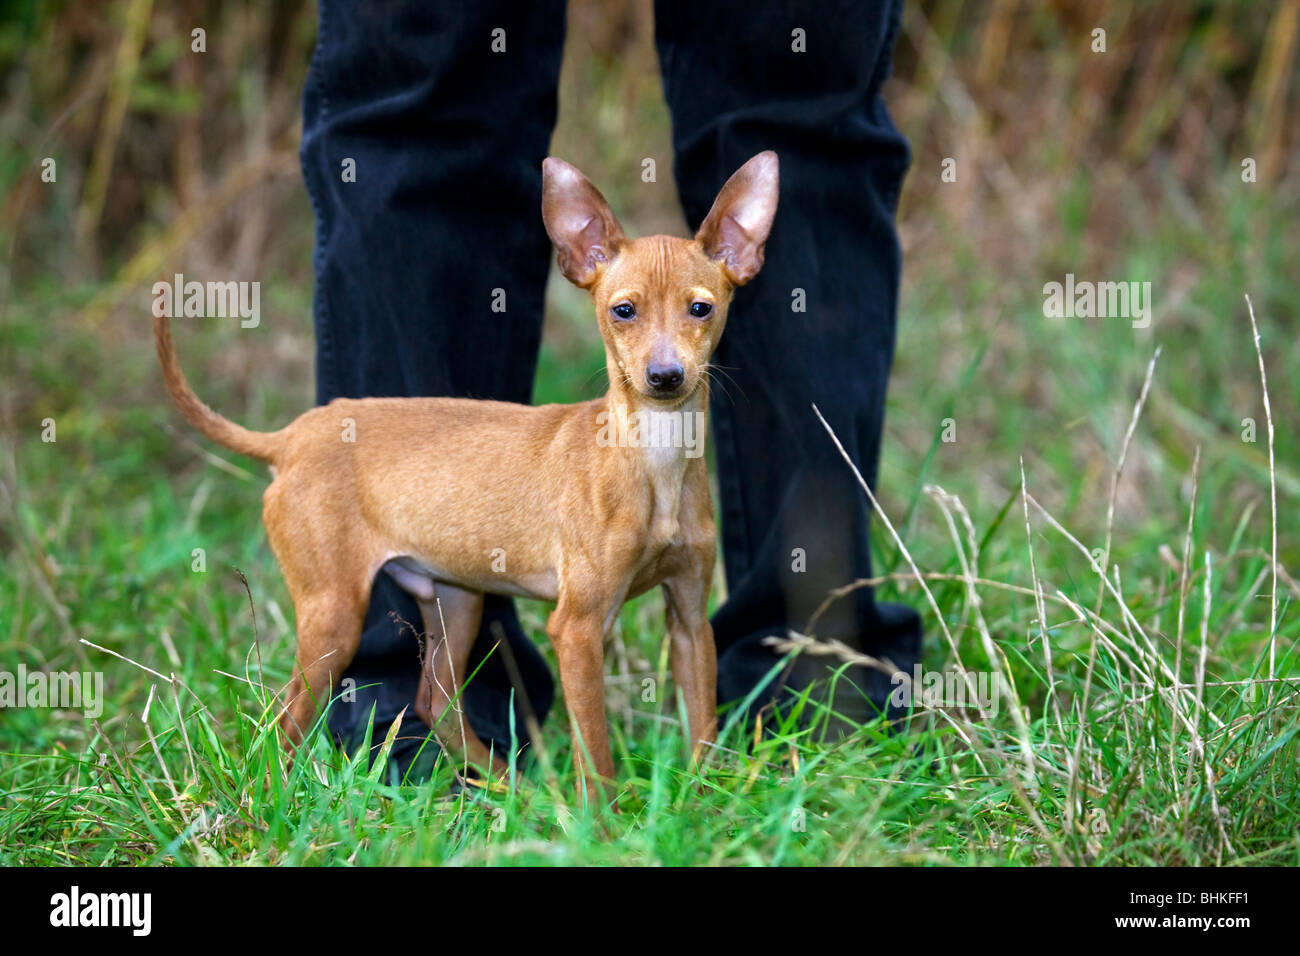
x=1097, y=529
x=1137, y=743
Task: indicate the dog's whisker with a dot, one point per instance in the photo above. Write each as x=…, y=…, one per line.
x=711, y=369
x=718, y=383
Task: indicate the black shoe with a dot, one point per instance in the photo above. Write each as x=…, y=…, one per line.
x=860, y=694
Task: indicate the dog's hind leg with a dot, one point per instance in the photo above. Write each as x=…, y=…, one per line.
x=451, y=623
x=329, y=631
x=330, y=586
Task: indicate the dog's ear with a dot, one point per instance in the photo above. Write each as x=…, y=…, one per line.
x=578, y=221
x=737, y=226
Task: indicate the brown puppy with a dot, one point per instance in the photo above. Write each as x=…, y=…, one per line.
x=585, y=505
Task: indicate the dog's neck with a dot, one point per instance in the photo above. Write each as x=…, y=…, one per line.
x=661, y=465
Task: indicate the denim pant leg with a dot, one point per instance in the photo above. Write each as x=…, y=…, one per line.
x=816, y=326
x=424, y=128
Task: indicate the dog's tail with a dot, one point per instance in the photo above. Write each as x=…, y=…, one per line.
x=263, y=445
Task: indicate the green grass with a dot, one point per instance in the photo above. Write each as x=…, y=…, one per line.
x=1109, y=764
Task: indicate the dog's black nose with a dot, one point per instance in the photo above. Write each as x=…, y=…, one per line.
x=664, y=378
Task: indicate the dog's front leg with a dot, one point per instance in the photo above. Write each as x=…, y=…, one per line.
x=693, y=655
x=577, y=633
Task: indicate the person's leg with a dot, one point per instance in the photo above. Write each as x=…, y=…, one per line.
x=816, y=325
x=424, y=130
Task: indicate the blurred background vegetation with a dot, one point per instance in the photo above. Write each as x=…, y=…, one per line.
x=1122, y=165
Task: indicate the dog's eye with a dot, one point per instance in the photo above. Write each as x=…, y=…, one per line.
x=624, y=310
x=700, y=309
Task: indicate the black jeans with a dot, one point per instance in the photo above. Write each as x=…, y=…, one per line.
x=446, y=138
